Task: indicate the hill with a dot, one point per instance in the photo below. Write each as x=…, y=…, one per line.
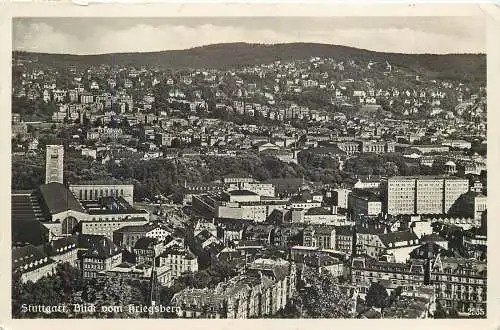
x=465, y=67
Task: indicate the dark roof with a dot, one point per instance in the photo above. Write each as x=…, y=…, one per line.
x=97, y=246
x=58, y=198
x=432, y=238
x=204, y=235
x=135, y=229
x=122, y=211
x=371, y=229
x=430, y=249
x=242, y=193
x=397, y=236
x=145, y=243
x=366, y=195
x=274, y=271
x=61, y=246
x=322, y=229
x=243, y=222
x=331, y=149
x=318, y=211
x=29, y=232
x=29, y=256
x=344, y=231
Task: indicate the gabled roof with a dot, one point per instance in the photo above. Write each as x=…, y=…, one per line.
x=61, y=245
x=145, y=243
x=432, y=238
x=28, y=258
x=97, y=246
x=204, y=235
x=58, y=198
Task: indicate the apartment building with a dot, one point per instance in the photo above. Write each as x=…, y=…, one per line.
x=423, y=195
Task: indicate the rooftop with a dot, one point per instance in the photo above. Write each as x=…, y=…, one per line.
x=58, y=198
x=97, y=246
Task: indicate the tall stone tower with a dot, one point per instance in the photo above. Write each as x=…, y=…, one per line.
x=54, y=164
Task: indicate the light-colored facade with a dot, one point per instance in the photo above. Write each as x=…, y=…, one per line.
x=93, y=192
x=342, y=197
x=91, y=266
x=423, y=195
x=360, y=204
x=320, y=236
x=106, y=228
x=178, y=260
x=264, y=290
x=54, y=164
x=461, y=284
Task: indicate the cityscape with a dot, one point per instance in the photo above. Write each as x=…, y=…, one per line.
x=249, y=180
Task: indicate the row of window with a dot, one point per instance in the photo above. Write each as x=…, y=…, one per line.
x=91, y=194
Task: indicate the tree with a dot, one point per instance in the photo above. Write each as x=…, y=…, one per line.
x=395, y=294
x=321, y=297
x=377, y=296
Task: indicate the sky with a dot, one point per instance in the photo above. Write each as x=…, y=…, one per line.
x=438, y=35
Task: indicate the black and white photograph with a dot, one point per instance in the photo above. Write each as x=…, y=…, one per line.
x=249, y=167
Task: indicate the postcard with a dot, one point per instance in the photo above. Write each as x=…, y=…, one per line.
x=273, y=163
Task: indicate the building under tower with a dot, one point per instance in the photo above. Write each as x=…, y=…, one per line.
x=54, y=164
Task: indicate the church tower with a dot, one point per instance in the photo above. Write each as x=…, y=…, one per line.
x=54, y=164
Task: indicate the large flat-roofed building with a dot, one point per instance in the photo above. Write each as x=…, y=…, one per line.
x=92, y=192
x=237, y=204
x=107, y=227
x=112, y=208
x=54, y=164
x=423, y=195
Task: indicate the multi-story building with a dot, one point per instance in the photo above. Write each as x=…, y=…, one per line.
x=31, y=263
x=97, y=254
x=141, y=272
x=179, y=260
x=86, y=98
x=92, y=192
x=63, y=250
x=344, y=239
x=265, y=289
x=471, y=204
x=127, y=236
x=423, y=195
x=365, y=270
x=461, y=284
x=54, y=164
x=341, y=195
x=377, y=146
x=146, y=249
x=107, y=227
x=322, y=215
x=238, y=204
x=320, y=236
x=364, y=203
